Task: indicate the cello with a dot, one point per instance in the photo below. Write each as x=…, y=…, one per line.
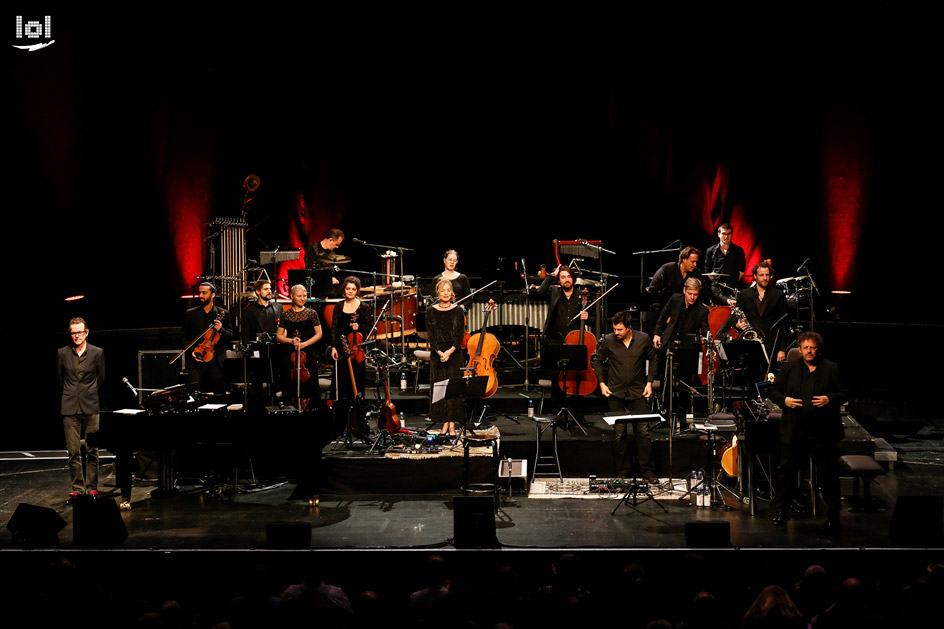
x=482, y=361
x=580, y=381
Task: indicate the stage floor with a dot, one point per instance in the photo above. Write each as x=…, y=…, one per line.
x=200, y=518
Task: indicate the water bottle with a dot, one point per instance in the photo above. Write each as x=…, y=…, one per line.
x=403, y=381
x=531, y=408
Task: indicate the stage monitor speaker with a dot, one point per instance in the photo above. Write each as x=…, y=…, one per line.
x=708, y=534
x=474, y=522
x=918, y=521
x=288, y=535
x=97, y=523
x=35, y=527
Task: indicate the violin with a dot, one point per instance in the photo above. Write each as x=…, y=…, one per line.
x=354, y=339
x=203, y=353
x=300, y=374
x=482, y=361
x=580, y=381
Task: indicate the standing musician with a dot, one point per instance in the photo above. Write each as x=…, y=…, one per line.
x=446, y=326
x=207, y=376
x=460, y=283
x=80, y=368
x=563, y=306
x=728, y=259
x=261, y=316
x=352, y=317
x=764, y=306
x=811, y=394
x=682, y=317
x=627, y=387
x=300, y=327
x=671, y=276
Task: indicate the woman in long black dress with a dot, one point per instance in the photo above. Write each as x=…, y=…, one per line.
x=350, y=316
x=444, y=321
x=300, y=327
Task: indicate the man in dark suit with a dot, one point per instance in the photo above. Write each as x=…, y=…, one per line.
x=80, y=369
x=764, y=306
x=810, y=393
x=207, y=375
x=681, y=319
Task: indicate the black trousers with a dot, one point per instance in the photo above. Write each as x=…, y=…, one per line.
x=793, y=456
x=637, y=432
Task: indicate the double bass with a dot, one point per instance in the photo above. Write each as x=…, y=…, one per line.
x=580, y=381
x=482, y=360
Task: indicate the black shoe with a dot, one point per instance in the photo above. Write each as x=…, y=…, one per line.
x=830, y=528
x=651, y=478
x=781, y=518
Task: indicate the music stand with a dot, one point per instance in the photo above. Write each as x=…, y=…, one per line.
x=565, y=358
x=710, y=429
x=466, y=387
x=635, y=488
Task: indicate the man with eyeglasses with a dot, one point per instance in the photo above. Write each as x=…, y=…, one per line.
x=81, y=372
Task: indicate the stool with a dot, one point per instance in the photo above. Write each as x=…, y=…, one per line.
x=479, y=489
x=541, y=424
x=545, y=385
x=864, y=467
x=423, y=356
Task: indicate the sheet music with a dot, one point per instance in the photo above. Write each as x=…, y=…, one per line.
x=652, y=417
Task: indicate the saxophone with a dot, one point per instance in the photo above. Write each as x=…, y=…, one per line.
x=748, y=333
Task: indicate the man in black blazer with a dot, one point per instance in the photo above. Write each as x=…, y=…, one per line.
x=682, y=317
x=810, y=392
x=207, y=375
x=80, y=369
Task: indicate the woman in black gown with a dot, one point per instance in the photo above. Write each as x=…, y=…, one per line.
x=445, y=324
x=300, y=327
x=350, y=316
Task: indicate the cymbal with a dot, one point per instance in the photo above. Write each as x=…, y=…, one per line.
x=584, y=282
x=332, y=259
x=714, y=274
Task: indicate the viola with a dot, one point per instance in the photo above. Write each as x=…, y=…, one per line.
x=204, y=352
x=580, y=381
x=482, y=361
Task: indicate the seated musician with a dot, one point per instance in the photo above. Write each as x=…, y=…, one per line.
x=321, y=254
x=207, y=375
x=682, y=318
x=300, y=327
x=352, y=316
x=671, y=277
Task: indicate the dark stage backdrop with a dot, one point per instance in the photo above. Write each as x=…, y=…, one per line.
x=130, y=131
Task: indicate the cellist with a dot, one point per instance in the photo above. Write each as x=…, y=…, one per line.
x=208, y=375
x=562, y=309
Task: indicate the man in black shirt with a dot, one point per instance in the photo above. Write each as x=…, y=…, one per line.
x=207, y=375
x=320, y=254
x=563, y=306
x=728, y=259
x=627, y=386
x=261, y=316
x=670, y=278
x=811, y=393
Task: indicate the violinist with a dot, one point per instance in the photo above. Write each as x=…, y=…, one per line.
x=460, y=283
x=300, y=327
x=445, y=322
x=208, y=375
x=351, y=319
x=627, y=386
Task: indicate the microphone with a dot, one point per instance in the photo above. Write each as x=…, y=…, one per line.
x=129, y=385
